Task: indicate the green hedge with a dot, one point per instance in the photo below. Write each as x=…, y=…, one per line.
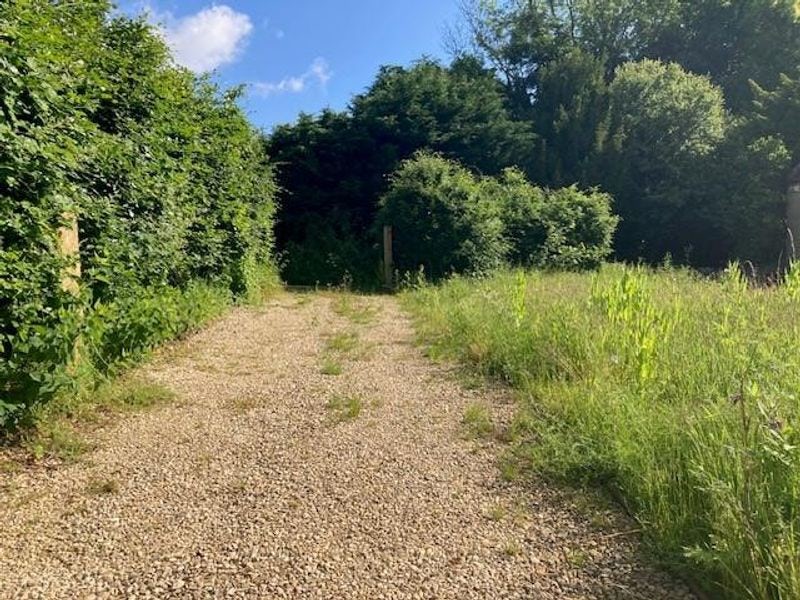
x=169, y=182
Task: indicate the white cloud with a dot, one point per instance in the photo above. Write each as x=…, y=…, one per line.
x=321, y=71
x=292, y=85
x=318, y=73
x=208, y=39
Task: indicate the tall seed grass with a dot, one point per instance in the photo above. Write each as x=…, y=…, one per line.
x=678, y=395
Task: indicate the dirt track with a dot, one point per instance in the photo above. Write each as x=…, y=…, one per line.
x=253, y=485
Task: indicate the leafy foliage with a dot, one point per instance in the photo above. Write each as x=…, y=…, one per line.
x=562, y=229
x=334, y=167
x=568, y=68
x=330, y=173
x=777, y=111
x=442, y=222
x=731, y=42
x=734, y=43
x=168, y=182
x=458, y=111
x=625, y=96
x=570, y=116
x=447, y=220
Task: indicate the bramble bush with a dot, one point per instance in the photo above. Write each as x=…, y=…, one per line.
x=169, y=183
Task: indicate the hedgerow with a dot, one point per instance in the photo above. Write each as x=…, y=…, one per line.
x=169, y=184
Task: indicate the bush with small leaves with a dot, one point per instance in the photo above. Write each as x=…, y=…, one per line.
x=442, y=221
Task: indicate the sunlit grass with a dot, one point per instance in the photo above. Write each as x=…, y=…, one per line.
x=344, y=407
x=676, y=394
x=357, y=309
x=58, y=428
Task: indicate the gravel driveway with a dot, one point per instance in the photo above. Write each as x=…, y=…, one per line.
x=271, y=479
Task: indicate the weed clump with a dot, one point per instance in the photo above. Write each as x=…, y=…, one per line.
x=344, y=407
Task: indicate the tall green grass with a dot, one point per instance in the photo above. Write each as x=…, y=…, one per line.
x=678, y=395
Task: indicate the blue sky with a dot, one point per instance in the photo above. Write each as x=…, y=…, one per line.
x=299, y=55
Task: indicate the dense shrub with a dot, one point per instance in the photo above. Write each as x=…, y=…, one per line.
x=442, y=222
x=447, y=220
x=168, y=182
x=564, y=229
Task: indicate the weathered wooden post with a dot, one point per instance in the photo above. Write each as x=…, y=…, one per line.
x=793, y=213
x=388, y=259
x=69, y=243
x=70, y=249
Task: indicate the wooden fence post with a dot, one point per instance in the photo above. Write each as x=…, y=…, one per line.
x=793, y=213
x=388, y=260
x=70, y=247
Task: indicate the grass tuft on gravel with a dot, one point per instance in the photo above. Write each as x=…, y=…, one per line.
x=343, y=342
x=357, y=310
x=477, y=421
x=331, y=367
x=344, y=407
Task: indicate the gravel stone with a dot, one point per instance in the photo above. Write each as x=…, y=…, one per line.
x=245, y=488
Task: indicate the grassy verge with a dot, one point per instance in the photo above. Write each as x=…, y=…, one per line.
x=57, y=430
x=102, y=381
x=677, y=395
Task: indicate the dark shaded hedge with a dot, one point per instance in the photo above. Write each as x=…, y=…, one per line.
x=334, y=167
x=169, y=183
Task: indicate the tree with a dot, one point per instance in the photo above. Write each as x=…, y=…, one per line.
x=730, y=42
x=518, y=38
x=331, y=172
x=739, y=200
x=777, y=111
x=733, y=43
x=571, y=106
x=457, y=111
x=662, y=122
x=620, y=31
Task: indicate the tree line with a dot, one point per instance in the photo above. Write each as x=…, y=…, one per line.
x=682, y=117
x=685, y=111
